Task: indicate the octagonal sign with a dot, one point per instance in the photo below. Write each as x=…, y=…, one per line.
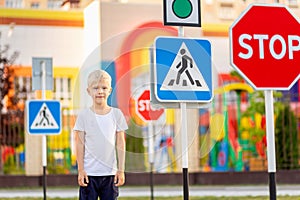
x=265, y=46
x=144, y=108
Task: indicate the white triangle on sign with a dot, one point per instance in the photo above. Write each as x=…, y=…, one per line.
x=184, y=74
x=44, y=119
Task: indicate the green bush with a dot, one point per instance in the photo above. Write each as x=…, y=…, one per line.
x=286, y=139
x=135, y=151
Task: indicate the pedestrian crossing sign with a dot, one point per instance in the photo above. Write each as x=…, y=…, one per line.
x=182, y=70
x=43, y=117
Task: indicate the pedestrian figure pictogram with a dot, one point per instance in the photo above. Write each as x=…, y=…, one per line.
x=44, y=119
x=184, y=73
x=185, y=60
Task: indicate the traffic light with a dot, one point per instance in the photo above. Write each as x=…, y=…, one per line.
x=182, y=13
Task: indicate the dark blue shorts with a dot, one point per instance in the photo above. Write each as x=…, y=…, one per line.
x=99, y=186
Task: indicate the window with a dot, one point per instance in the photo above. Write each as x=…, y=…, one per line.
x=14, y=3
x=226, y=11
x=34, y=5
x=62, y=90
x=293, y=3
x=55, y=4
x=226, y=1
x=23, y=88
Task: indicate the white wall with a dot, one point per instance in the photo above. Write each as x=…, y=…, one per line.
x=64, y=44
x=117, y=20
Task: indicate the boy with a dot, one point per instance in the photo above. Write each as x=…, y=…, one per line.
x=99, y=132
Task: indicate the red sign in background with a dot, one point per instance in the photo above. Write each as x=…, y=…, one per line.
x=144, y=109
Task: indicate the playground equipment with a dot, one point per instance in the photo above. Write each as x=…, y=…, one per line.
x=227, y=152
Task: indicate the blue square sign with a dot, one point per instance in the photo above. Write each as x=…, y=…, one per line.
x=182, y=70
x=43, y=117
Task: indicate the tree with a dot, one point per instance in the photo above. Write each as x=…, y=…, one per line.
x=5, y=85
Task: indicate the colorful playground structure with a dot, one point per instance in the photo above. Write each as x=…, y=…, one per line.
x=233, y=146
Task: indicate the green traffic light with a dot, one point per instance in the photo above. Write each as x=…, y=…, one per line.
x=182, y=8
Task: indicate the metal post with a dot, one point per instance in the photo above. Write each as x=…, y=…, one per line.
x=151, y=182
x=151, y=155
x=269, y=105
x=44, y=137
x=184, y=139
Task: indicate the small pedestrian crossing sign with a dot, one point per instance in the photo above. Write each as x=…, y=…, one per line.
x=43, y=117
x=182, y=70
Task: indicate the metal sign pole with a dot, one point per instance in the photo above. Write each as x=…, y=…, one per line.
x=269, y=105
x=151, y=155
x=42, y=80
x=184, y=139
x=44, y=137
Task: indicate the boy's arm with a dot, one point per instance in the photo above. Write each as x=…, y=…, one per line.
x=79, y=142
x=121, y=148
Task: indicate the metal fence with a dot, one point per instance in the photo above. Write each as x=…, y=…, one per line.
x=12, y=149
x=62, y=161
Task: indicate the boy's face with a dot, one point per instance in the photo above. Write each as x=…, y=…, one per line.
x=100, y=91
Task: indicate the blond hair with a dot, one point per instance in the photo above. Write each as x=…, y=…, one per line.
x=96, y=75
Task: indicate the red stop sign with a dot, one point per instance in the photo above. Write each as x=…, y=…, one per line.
x=144, y=109
x=265, y=47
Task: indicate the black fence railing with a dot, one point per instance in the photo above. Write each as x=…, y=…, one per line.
x=12, y=148
x=62, y=161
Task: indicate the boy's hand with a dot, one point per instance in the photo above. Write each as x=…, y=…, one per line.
x=83, y=179
x=119, y=178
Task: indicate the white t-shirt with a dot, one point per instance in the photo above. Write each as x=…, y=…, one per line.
x=100, y=138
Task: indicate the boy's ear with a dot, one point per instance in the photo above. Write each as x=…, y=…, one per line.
x=88, y=91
